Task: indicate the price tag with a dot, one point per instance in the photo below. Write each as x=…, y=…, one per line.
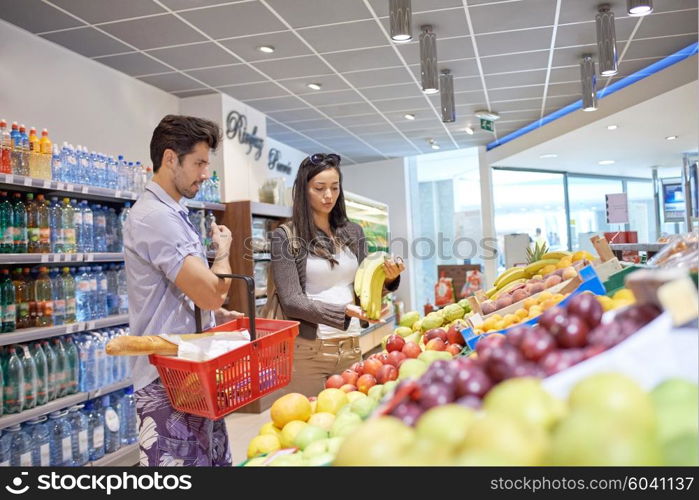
x=89, y=257
x=61, y=186
x=47, y=184
x=44, y=257
x=85, y=189
x=10, y=179
x=90, y=325
x=27, y=181
x=118, y=194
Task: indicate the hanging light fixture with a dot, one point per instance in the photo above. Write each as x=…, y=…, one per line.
x=401, y=13
x=446, y=84
x=428, y=60
x=606, y=41
x=588, y=78
x=639, y=7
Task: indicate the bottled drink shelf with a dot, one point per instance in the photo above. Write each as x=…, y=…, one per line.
x=59, y=404
x=68, y=258
x=125, y=456
x=88, y=192
x=29, y=334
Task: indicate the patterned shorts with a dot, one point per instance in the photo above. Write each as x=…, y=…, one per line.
x=168, y=437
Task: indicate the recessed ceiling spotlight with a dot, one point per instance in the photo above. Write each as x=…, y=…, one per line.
x=409, y=116
x=468, y=130
x=314, y=86
x=612, y=127
x=639, y=7
x=606, y=162
x=549, y=155
x=671, y=137
x=433, y=143
x=267, y=49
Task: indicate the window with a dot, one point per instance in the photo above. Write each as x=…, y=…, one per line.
x=642, y=209
x=588, y=211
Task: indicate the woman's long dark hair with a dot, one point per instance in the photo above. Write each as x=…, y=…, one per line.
x=311, y=238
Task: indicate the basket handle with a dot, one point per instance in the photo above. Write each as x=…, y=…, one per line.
x=251, y=303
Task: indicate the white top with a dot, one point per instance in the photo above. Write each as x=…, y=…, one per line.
x=333, y=285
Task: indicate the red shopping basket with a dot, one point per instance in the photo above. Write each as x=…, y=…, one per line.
x=219, y=386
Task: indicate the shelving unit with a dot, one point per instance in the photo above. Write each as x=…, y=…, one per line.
x=125, y=456
x=59, y=258
x=29, y=334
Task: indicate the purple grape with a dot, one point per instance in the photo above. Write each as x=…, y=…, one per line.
x=470, y=401
x=515, y=335
x=537, y=343
x=472, y=381
x=441, y=371
x=529, y=369
x=573, y=334
x=408, y=413
x=437, y=394
x=586, y=307
x=502, y=362
x=557, y=361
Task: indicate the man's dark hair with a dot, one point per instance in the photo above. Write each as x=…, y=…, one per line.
x=181, y=133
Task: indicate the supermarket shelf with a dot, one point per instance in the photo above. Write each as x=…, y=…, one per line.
x=220, y=207
x=48, y=258
x=59, y=404
x=638, y=247
x=65, y=188
x=55, y=405
x=123, y=457
x=269, y=210
x=29, y=334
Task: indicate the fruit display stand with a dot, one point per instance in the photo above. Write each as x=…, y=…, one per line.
x=370, y=337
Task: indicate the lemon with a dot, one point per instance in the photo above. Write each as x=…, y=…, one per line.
x=269, y=428
x=624, y=294
x=265, y=443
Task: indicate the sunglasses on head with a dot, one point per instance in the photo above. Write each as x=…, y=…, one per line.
x=319, y=158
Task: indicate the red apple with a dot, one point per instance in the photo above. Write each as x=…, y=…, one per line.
x=386, y=374
x=454, y=334
x=454, y=349
x=366, y=382
x=348, y=388
x=435, y=333
x=374, y=356
x=350, y=377
x=358, y=367
x=372, y=367
x=383, y=357
x=395, y=343
x=411, y=350
x=334, y=382
x=395, y=358
x=436, y=344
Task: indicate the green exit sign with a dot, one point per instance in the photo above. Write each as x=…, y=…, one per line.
x=487, y=125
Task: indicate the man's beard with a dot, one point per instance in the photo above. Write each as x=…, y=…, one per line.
x=187, y=192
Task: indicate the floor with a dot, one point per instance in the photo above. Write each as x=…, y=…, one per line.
x=242, y=427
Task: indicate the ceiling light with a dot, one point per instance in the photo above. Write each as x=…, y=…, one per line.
x=488, y=115
x=588, y=79
x=671, y=137
x=606, y=41
x=446, y=84
x=468, y=130
x=314, y=86
x=400, y=13
x=612, y=127
x=549, y=155
x=433, y=143
x=639, y=7
x=409, y=116
x=606, y=162
x=267, y=49
x=428, y=60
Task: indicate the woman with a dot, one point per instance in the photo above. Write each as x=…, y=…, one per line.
x=314, y=275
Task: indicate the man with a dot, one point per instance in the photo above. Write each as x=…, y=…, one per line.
x=167, y=273
x=540, y=238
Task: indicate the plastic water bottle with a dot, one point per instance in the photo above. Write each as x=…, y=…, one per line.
x=79, y=435
x=71, y=172
x=7, y=240
x=61, y=367
x=129, y=421
x=56, y=225
x=82, y=295
x=97, y=177
x=100, y=215
x=68, y=284
x=24, y=159
x=114, y=361
x=95, y=430
x=8, y=308
x=19, y=224
x=123, y=215
x=38, y=432
x=102, y=378
x=122, y=174
x=56, y=164
x=94, y=309
x=31, y=388
x=42, y=224
x=52, y=365
x=83, y=227
x=42, y=373
x=79, y=174
x=60, y=441
x=68, y=226
x=72, y=365
x=112, y=291
x=102, y=292
x=111, y=228
x=87, y=363
x=58, y=297
x=13, y=376
x=43, y=296
x=124, y=365
x=20, y=447
x=122, y=290
x=112, y=425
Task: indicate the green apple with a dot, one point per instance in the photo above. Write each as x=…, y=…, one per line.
x=414, y=337
x=308, y=435
x=315, y=448
x=334, y=444
x=403, y=331
x=324, y=420
x=355, y=395
x=430, y=357
x=347, y=408
x=375, y=392
x=388, y=387
x=424, y=452
x=445, y=425
x=412, y=368
x=345, y=424
x=682, y=450
x=676, y=403
x=409, y=319
x=379, y=441
x=364, y=407
x=526, y=399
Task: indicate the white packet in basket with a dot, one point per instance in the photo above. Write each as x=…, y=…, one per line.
x=208, y=347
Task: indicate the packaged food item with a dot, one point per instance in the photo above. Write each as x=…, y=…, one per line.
x=444, y=291
x=682, y=251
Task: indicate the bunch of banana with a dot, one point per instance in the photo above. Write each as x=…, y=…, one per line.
x=512, y=274
x=557, y=255
x=368, y=284
x=533, y=268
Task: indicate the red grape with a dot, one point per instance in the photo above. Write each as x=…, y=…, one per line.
x=573, y=333
x=514, y=336
x=548, y=317
x=502, y=362
x=486, y=344
x=529, y=369
x=537, y=343
x=436, y=394
x=586, y=307
x=472, y=381
x=470, y=402
x=408, y=413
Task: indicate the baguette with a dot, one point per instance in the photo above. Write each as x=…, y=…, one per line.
x=129, y=345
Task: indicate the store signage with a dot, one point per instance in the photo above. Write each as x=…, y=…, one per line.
x=487, y=125
x=274, y=162
x=237, y=126
x=617, y=208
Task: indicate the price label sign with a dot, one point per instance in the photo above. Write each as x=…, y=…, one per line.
x=27, y=181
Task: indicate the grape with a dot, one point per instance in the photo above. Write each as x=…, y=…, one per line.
x=593, y=350
x=502, y=362
x=472, y=381
x=437, y=394
x=552, y=318
x=408, y=413
x=440, y=371
x=573, y=333
x=486, y=344
x=537, y=343
x=557, y=361
x=586, y=307
x=640, y=314
x=470, y=401
x=514, y=336
x=529, y=369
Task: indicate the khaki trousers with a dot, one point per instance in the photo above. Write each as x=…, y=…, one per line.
x=315, y=360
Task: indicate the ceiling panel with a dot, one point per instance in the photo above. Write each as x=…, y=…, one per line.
x=516, y=41
x=294, y=68
x=516, y=93
x=330, y=133
x=357, y=60
x=372, y=78
x=99, y=11
x=381, y=6
x=336, y=110
x=153, y=32
x=516, y=105
x=406, y=105
x=189, y=4
x=517, y=62
x=254, y=91
x=276, y=103
x=338, y=97
x=565, y=74
x=578, y=11
x=462, y=68
x=344, y=36
x=363, y=119
x=88, y=42
x=392, y=91
x=572, y=55
x=226, y=75
x=300, y=13
x=285, y=44
x=657, y=24
x=200, y=55
x=586, y=33
x=247, y=18
x=557, y=89
x=171, y=82
x=295, y=115
x=134, y=64
x=515, y=79
x=328, y=83
x=451, y=48
x=468, y=83
x=445, y=23
x=503, y=16
x=314, y=125
x=36, y=16
x=194, y=93
x=659, y=47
